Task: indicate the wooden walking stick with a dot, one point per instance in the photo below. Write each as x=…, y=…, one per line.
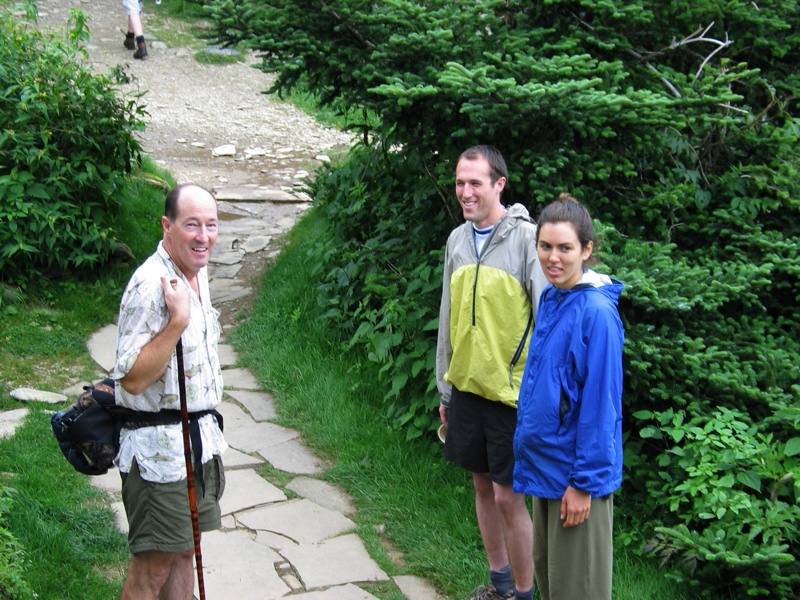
x=187, y=452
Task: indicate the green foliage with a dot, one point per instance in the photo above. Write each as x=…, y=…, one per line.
x=676, y=123
x=736, y=488
x=66, y=142
x=377, y=288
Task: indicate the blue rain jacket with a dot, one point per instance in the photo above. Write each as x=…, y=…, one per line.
x=569, y=413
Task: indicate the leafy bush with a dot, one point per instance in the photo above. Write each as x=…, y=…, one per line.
x=66, y=145
x=678, y=125
x=381, y=272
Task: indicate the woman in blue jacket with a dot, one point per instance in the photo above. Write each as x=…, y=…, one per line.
x=568, y=441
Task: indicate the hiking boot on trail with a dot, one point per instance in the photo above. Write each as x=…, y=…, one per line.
x=488, y=592
x=130, y=41
x=141, y=51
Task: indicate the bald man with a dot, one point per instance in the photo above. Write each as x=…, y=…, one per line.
x=167, y=300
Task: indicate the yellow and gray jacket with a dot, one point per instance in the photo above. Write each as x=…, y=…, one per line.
x=488, y=309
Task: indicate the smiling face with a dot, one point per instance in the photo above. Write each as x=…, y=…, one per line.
x=190, y=237
x=478, y=196
x=561, y=255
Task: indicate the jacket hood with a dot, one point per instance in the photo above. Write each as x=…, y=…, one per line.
x=608, y=285
x=518, y=211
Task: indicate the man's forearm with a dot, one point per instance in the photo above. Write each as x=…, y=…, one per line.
x=152, y=360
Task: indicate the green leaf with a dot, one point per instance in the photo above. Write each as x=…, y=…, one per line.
x=792, y=447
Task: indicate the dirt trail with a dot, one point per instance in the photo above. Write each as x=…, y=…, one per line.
x=194, y=108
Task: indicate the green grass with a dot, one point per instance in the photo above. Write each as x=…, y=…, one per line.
x=72, y=548
x=403, y=488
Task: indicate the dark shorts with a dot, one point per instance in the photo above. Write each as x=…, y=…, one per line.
x=158, y=513
x=480, y=435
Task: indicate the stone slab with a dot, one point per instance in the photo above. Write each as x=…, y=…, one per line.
x=245, y=489
x=292, y=456
x=335, y=561
x=226, y=257
x=75, y=390
x=255, y=243
x=102, y=346
x=301, y=520
x=228, y=522
x=339, y=592
x=110, y=482
x=121, y=517
x=227, y=355
x=257, y=437
x=239, y=379
x=285, y=224
x=225, y=290
x=322, y=493
x=236, y=565
x=233, y=459
x=260, y=405
x=10, y=420
x=233, y=415
x=416, y=588
x=225, y=271
x=33, y=395
x=241, y=228
x=245, y=193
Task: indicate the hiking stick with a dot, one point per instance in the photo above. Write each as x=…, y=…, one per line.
x=187, y=453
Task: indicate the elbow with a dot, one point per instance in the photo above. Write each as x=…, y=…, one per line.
x=132, y=387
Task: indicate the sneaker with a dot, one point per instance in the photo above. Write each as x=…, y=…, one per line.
x=129, y=43
x=141, y=52
x=488, y=592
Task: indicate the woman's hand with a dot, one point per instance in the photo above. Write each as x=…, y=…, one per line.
x=575, y=506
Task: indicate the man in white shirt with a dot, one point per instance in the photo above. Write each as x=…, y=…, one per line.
x=167, y=300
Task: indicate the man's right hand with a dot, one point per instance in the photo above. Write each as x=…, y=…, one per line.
x=178, y=301
x=443, y=413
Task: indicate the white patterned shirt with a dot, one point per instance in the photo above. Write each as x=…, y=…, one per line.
x=143, y=313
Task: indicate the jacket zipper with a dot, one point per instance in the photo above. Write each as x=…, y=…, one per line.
x=478, y=258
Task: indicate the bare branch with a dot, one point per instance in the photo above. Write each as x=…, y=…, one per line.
x=700, y=36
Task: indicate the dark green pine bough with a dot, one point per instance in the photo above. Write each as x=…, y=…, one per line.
x=677, y=123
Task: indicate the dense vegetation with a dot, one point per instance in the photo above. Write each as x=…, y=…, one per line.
x=66, y=148
x=678, y=124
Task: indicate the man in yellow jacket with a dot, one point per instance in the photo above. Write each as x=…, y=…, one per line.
x=492, y=283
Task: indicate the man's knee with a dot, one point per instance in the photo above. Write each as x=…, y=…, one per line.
x=156, y=566
x=507, y=501
x=482, y=482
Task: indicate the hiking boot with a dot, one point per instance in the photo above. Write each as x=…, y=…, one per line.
x=141, y=51
x=130, y=42
x=488, y=592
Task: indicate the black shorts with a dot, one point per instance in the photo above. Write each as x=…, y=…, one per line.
x=480, y=435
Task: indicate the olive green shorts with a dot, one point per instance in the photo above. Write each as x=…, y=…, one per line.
x=158, y=513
